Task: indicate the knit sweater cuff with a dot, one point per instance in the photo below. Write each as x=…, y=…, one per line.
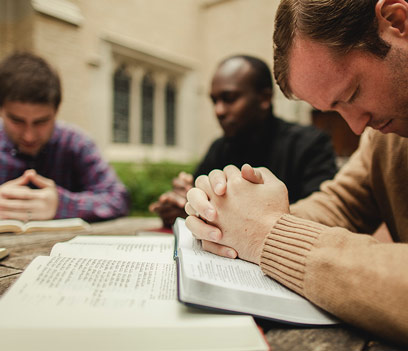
x=286, y=248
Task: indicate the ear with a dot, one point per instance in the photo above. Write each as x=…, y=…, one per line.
x=266, y=98
x=392, y=16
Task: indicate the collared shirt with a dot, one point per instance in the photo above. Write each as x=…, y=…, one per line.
x=87, y=187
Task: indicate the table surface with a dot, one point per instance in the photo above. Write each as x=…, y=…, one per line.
x=24, y=248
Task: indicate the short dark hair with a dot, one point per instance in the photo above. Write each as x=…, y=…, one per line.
x=342, y=25
x=262, y=76
x=26, y=77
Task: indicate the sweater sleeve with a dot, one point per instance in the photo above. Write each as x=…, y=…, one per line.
x=347, y=200
x=352, y=276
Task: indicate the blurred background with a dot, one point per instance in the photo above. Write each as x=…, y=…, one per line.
x=136, y=75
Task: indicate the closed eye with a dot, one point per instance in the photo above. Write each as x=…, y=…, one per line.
x=354, y=96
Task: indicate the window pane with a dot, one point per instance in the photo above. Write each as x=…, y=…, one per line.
x=170, y=114
x=121, y=98
x=147, y=110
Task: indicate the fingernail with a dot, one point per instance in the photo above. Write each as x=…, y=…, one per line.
x=218, y=188
x=209, y=214
x=231, y=253
x=214, y=236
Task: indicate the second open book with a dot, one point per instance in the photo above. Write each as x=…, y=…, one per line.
x=234, y=285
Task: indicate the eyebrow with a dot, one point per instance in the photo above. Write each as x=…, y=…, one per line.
x=19, y=118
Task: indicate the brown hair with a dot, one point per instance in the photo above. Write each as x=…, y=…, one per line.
x=342, y=25
x=25, y=77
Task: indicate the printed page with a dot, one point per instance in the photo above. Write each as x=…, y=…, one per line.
x=230, y=273
x=100, y=272
x=235, y=274
x=157, y=248
x=236, y=285
x=80, y=303
x=64, y=284
x=96, y=296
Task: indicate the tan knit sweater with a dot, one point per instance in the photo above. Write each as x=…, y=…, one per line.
x=315, y=250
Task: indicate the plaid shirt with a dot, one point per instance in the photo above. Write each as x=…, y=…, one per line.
x=87, y=187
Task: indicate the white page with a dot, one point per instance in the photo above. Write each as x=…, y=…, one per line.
x=226, y=272
x=82, y=303
x=237, y=285
x=230, y=273
x=158, y=248
x=98, y=283
x=70, y=300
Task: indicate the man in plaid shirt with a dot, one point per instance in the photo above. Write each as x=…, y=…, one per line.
x=47, y=169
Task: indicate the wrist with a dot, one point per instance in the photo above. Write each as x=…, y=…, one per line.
x=259, y=249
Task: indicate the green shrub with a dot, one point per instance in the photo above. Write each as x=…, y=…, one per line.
x=146, y=181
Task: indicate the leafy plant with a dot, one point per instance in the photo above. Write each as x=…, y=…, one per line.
x=146, y=181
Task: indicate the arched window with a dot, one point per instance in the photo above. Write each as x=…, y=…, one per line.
x=170, y=114
x=147, y=109
x=121, y=98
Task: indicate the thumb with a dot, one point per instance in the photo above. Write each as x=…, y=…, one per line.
x=267, y=175
x=41, y=182
x=251, y=174
x=259, y=175
x=22, y=180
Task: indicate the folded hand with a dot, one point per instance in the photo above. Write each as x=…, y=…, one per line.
x=232, y=211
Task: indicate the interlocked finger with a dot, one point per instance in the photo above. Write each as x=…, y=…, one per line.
x=199, y=205
x=190, y=210
x=203, y=230
x=218, y=249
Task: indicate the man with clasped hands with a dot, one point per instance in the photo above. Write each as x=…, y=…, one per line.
x=48, y=169
x=349, y=56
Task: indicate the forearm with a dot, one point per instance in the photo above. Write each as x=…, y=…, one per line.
x=93, y=206
x=352, y=276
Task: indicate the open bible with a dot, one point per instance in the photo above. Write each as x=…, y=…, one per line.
x=113, y=293
x=20, y=227
x=233, y=285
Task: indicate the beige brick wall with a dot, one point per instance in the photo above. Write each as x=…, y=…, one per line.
x=61, y=44
x=191, y=34
x=16, y=26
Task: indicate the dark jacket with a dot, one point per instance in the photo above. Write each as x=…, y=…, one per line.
x=301, y=156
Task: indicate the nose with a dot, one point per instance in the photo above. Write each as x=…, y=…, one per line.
x=219, y=108
x=29, y=134
x=357, y=121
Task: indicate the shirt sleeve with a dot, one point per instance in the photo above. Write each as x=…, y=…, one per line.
x=353, y=276
x=102, y=195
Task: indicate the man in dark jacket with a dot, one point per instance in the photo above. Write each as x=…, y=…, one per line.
x=241, y=91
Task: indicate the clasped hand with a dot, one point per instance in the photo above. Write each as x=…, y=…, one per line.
x=18, y=201
x=233, y=210
x=171, y=204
